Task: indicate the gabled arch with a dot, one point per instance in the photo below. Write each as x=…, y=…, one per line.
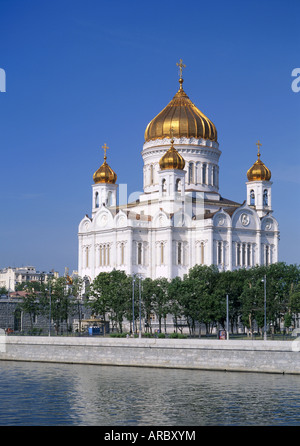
x=85, y=224
x=245, y=217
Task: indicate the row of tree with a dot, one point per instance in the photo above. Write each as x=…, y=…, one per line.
x=197, y=299
x=56, y=300
x=200, y=297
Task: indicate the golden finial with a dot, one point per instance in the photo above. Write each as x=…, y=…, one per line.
x=105, y=147
x=181, y=66
x=258, y=148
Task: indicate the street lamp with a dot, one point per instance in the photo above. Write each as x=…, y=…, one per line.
x=265, y=306
x=133, y=281
x=140, y=292
x=50, y=310
x=227, y=317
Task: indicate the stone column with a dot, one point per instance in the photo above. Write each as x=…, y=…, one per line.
x=229, y=240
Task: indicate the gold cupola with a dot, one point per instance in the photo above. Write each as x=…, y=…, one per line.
x=171, y=159
x=105, y=174
x=259, y=171
x=183, y=116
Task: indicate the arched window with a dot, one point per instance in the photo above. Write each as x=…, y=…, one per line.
x=162, y=253
x=179, y=253
x=151, y=174
x=178, y=185
x=108, y=255
x=122, y=253
x=139, y=254
x=109, y=198
x=238, y=254
x=202, y=253
x=249, y=255
x=87, y=257
x=96, y=200
x=104, y=255
x=219, y=253
x=191, y=173
x=243, y=254
x=252, y=198
x=214, y=175
x=164, y=186
x=267, y=262
x=100, y=255
x=265, y=198
x=204, y=174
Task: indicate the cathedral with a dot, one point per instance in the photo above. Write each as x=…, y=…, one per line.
x=181, y=219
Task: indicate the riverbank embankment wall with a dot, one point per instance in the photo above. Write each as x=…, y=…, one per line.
x=229, y=355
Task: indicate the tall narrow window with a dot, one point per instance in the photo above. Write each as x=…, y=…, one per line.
x=96, y=200
x=204, y=174
x=104, y=255
x=252, y=198
x=151, y=174
x=109, y=198
x=139, y=253
x=249, y=255
x=122, y=253
x=87, y=257
x=100, y=255
x=202, y=253
x=238, y=254
x=191, y=172
x=265, y=198
x=267, y=255
x=164, y=186
x=178, y=185
x=161, y=253
x=179, y=253
x=243, y=254
x=219, y=253
x=108, y=255
x=214, y=176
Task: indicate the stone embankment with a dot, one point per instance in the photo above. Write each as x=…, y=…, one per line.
x=201, y=354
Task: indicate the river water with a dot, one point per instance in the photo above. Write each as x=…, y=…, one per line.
x=36, y=394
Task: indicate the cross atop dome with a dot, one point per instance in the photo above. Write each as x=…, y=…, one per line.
x=181, y=66
x=105, y=147
x=258, y=148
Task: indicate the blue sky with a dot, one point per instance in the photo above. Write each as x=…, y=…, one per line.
x=84, y=72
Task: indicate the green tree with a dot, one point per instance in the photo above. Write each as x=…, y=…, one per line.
x=61, y=303
x=204, y=281
x=147, y=302
x=160, y=300
x=30, y=305
x=119, y=296
x=176, y=289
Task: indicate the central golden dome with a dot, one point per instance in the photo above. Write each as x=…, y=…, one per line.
x=183, y=117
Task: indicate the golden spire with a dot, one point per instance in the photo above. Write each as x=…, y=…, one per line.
x=105, y=174
x=259, y=172
x=180, y=65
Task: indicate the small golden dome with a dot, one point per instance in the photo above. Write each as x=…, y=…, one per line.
x=105, y=174
x=171, y=159
x=259, y=172
x=185, y=119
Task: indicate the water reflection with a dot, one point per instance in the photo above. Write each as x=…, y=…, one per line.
x=59, y=394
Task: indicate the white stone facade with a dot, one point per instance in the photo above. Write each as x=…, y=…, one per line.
x=179, y=221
